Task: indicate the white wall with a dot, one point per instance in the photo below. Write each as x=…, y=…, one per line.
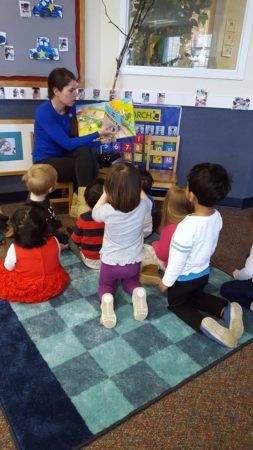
x=102, y=48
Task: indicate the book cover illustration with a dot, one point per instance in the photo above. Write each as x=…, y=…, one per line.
x=90, y=118
x=118, y=114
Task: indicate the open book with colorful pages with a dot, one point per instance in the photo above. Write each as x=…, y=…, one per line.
x=118, y=114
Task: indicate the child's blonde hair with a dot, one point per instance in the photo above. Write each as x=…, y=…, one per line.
x=40, y=178
x=175, y=206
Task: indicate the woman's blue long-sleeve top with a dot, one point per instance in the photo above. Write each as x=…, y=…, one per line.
x=51, y=133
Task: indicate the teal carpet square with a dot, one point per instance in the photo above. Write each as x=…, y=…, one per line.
x=140, y=384
x=125, y=321
x=77, y=312
x=78, y=374
x=201, y=349
x=69, y=295
x=102, y=405
x=25, y=311
x=44, y=325
x=91, y=334
x=146, y=340
x=60, y=348
x=115, y=356
x=172, y=327
x=172, y=365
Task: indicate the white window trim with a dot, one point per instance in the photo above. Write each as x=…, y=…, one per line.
x=236, y=74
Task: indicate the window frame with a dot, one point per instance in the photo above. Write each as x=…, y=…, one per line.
x=233, y=74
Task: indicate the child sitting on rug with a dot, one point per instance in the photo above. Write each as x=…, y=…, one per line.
x=122, y=207
x=192, y=246
x=31, y=271
x=241, y=288
x=175, y=208
x=87, y=237
x=41, y=180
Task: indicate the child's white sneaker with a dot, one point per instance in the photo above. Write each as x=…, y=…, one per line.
x=213, y=330
x=108, y=316
x=233, y=319
x=139, y=299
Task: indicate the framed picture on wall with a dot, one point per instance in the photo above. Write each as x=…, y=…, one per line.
x=11, y=146
x=15, y=146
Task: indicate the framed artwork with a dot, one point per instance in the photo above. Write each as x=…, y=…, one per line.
x=230, y=25
x=15, y=146
x=11, y=146
x=228, y=38
x=227, y=51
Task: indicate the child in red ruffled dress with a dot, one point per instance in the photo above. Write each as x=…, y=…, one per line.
x=31, y=271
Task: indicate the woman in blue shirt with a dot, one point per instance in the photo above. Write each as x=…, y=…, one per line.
x=55, y=135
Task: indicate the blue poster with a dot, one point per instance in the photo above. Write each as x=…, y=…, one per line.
x=159, y=120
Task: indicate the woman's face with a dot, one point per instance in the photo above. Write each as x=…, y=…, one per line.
x=68, y=95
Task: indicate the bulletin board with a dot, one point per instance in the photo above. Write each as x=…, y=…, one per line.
x=22, y=32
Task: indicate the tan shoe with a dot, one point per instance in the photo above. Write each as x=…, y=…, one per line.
x=73, y=209
x=82, y=206
x=150, y=275
x=108, y=317
x=139, y=300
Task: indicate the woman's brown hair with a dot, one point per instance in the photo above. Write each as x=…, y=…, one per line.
x=175, y=206
x=123, y=186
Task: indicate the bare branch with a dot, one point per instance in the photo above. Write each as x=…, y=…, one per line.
x=110, y=21
x=136, y=20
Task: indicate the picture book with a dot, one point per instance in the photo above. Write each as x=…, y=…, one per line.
x=90, y=118
x=117, y=113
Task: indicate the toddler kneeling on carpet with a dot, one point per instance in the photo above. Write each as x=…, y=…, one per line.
x=192, y=246
x=122, y=207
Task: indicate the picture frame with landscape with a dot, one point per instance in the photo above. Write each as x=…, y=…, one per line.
x=15, y=146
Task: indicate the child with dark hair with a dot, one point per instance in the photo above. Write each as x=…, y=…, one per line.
x=41, y=180
x=87, y=236
x=31, y=271
x=146, y=184
x=192, y=246
x=122, y=207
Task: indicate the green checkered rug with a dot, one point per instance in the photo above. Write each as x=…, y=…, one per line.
x=96, y=376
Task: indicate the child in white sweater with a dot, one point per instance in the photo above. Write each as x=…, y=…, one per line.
x=192, y=246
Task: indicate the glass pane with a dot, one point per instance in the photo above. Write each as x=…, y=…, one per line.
x=187, y=33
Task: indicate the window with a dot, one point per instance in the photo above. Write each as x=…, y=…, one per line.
x=200, y=38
